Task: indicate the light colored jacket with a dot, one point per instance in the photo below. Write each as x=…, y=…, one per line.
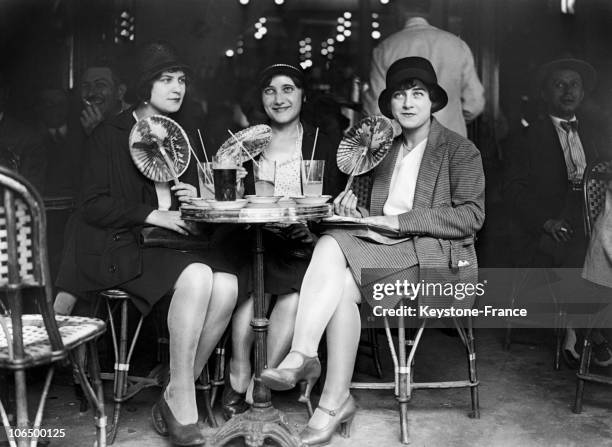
x=452, y=60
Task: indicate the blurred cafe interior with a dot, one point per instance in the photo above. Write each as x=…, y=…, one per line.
x=532, y=388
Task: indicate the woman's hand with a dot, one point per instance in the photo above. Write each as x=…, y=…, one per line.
x=170, y=220
x=300, y=232
x=388, y=221
x=241, y=173
x=346, y=204
x=184, y=191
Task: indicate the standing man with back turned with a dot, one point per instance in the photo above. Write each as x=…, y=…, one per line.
x=450, y=56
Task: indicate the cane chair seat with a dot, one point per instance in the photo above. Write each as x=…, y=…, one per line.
x=37, y=348
x=115, y=294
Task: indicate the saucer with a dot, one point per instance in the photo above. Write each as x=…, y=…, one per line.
x=263, y=199
x=311, y=200
x=199, y=201
x=227, y=205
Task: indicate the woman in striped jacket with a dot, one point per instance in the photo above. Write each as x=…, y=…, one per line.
x=430, y=188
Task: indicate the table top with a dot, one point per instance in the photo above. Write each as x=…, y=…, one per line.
x=277, y=213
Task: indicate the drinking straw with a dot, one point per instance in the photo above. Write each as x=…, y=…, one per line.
x=243, y=148
x=203, y=148
x=198, y=160
x=314, y=148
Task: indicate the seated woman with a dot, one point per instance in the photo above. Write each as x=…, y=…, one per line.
x=118, y=200
x=280, y=95
x=442, y=211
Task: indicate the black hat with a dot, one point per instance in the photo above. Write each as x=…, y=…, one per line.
x=155, y=58
x=411, y=68
x=280, y=69
x=584, y=69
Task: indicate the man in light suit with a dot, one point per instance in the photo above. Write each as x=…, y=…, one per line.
x=450, y=56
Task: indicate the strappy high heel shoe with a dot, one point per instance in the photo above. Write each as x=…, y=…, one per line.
x=232, y=402
x=280, y=379
x=340, y=419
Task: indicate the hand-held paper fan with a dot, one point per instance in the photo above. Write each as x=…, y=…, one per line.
x=160, y=148
x=252, y=139
x=364, y=146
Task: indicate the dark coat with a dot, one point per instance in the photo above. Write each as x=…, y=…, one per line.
x=334, y=180
x=536, y=184
x=116, y=200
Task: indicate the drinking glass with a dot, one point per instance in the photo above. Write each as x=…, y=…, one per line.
x=265, y=176
x=205, y=178
x=312, y=177
x=224, y=176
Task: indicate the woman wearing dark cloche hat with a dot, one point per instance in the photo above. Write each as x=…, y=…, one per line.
x=117, y=202
x=435, y=219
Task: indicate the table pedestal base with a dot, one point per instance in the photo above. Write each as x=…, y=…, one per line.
x=255, y=426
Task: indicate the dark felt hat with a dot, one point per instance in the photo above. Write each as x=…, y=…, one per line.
x=155, y=58
x=270, y=71
x=584, y=69
x=411, y=68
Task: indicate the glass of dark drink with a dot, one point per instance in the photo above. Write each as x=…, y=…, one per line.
x=224, y=175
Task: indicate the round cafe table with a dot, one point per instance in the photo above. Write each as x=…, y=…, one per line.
x=262, y=421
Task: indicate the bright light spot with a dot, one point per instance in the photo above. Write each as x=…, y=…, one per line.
x=229, y=53
x=302, y=50
x=347, y=32
x=308, y=40
x=263, y=30
x=257, y=35
x=323, y=44
x=258, y=25
x=330, y=41
x=340, y=19
x=240, y=43
x=340, y=37
x=239, y=51
x=279, y=2
x=324, y=52
x=244, y=2
x=347, y=15
x=347, y=23
x=308, y=48
x=375, y=25
x=375, y=34
x=308, y=63
x=374, y=15
x=340, y=28
x=330, y=48
x=263, y=19
x=384, y=2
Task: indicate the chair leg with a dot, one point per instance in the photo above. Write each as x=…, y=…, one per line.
x=219, y=374
x=508, y=337
x=471, y=350
x=121, y=372
x=21, y=400
x=373, y=340
x=583, y=369
x=205, y=386
x=94, y=364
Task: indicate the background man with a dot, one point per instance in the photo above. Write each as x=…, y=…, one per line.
x=450, y=56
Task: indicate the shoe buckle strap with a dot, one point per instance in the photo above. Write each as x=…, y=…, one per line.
x=328, y=411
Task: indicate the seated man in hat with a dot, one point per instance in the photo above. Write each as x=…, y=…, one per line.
x=546, y=163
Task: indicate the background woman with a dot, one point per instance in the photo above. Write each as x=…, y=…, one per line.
x=280, y=96
x=442, y=212
x=117, y=202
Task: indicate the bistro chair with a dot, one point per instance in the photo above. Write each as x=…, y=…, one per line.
x=596, y=178
x=404, y=350
x=29, y=340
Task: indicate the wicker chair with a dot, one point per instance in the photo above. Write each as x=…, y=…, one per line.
x=597, y=175
x=28, y=340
